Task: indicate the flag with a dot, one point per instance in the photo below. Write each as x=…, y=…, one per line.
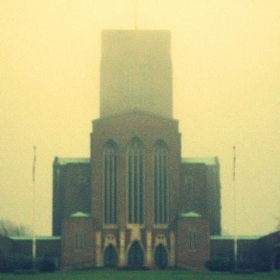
x=34, y=164
x=234, y=160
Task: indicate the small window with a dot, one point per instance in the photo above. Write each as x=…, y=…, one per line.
x=192, y=240
x=188, y=180
x=79, y=241
x=82, y=180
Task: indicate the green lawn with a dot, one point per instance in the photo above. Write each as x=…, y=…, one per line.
x=141, y=275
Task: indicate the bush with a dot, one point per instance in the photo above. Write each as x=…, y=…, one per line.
x=218, y=264
x=16, y=262
x=262, y=266
x=46, y=265
x=245, y=265
x=4, y=266
x=133, y=268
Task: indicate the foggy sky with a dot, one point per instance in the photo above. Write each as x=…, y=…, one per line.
x=226, y=85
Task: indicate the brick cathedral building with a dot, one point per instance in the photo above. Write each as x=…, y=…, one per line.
x=135, y=201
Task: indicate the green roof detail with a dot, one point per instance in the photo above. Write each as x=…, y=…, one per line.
x=64, y=161
x=239, y=237
x=205, y=160
x=80, y=215
x=27, y=238
x=190, y=215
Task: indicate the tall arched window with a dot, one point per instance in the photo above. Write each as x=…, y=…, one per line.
x=135, y=163
x=110, y=180
x=160, y=182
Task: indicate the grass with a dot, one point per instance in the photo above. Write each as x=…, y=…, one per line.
x=141, y=275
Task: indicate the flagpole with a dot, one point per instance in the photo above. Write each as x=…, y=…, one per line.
x=235, y=214
x=34, y=208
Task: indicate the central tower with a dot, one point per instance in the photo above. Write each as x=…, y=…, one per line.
x=135, y=150
x=147, y=206
x=135, y=202
x=136, y=72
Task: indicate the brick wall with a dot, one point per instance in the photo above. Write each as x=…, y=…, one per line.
x=192, y=244
x=78, y=243
x=194, y=191
x=121, y=129
x=71, y=192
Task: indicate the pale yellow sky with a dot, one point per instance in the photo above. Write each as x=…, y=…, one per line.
x=226, y=74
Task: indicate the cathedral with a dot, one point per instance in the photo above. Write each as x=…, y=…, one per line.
x=135, y=201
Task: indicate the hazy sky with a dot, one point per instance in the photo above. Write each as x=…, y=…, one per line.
x=226, y=75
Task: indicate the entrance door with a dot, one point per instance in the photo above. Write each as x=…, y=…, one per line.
x=161, y=257
x=110, y=256
x=135, y=256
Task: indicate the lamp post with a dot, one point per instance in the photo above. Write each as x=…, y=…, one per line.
x=235, y=215
x=34, y=208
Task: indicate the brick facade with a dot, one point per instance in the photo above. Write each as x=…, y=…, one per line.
x=136, y=201
x=77, y=243
x=135, y=182
x=71, y=190
x=149, y=129
x=193, y=242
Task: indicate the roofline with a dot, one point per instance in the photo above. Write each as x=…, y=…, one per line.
x=135, y=111
x=64, y=161
x=201, y=160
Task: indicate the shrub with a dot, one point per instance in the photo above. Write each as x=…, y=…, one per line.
x=16, y=262
x=262, y=266
x=46, y=265
x=133, y=268
x=218, y=264
x=4, y=266
x=245, y=264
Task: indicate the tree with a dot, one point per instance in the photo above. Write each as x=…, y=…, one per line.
x=278, y=223
x=9, y=228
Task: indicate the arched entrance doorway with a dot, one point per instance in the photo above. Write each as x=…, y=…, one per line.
x=161, y=257
x=110, y=256
x=135, y=257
